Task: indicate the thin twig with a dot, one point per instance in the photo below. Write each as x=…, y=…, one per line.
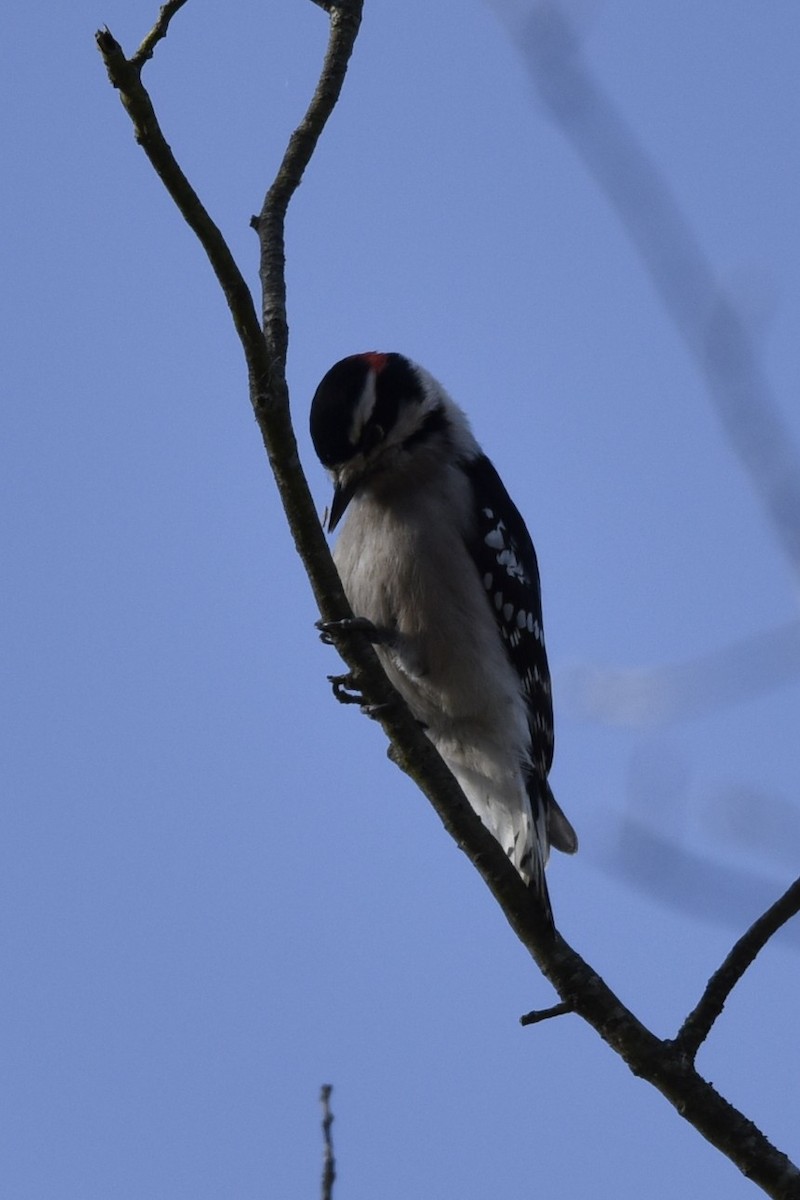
x=267, y=388
x=697, y=1025
x=345, y=18
x=544, y=1014
x=328, y=1159
x=125, y=76
x=158, y=32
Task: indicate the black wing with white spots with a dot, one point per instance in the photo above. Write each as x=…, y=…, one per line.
x=506, y=561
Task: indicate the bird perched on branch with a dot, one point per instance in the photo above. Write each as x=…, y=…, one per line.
x=441, y=574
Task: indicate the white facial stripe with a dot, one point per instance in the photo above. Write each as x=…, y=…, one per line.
x=363, y=410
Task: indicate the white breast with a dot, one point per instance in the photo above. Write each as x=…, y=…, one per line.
x=408, y=570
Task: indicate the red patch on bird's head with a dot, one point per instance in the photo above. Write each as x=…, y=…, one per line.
x=376, y=360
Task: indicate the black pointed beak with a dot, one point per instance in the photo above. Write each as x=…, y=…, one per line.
x=342, y=495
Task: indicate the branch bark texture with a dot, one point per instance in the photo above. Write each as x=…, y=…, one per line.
x=667, y=1065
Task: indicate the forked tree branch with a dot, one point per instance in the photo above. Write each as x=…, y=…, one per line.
x=663, y=1063
x=345, y=21
x=697, y=1026
x=125, y=75
x=158, y=32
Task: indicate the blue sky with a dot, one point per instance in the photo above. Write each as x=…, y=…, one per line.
x=217, y=893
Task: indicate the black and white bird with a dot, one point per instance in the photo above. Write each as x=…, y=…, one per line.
x=440, y=570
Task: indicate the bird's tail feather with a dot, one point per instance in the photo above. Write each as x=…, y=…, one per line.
x=560, y=833
x=536, y=855
x=519, y=823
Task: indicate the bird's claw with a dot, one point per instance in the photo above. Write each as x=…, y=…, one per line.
x=330, y=630
x=345, y=691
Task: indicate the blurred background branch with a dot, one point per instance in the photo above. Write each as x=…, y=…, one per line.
x=711, y=328
x=721, y=344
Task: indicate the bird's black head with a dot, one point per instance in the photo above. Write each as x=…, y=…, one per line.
x=354, y=419
x=356, y=405
x=372, y=417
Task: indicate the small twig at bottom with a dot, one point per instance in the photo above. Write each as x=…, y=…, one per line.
x=544, y=1014
x=328, y=1160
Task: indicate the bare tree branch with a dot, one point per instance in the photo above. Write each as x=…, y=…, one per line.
x=345, y=20
x=697, y=1026
x=328, y=1159
x=579, y=986
x=266, y=373
x=658, y=1061
x=158, y=32
x=125, y=75
x=544, y=1014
